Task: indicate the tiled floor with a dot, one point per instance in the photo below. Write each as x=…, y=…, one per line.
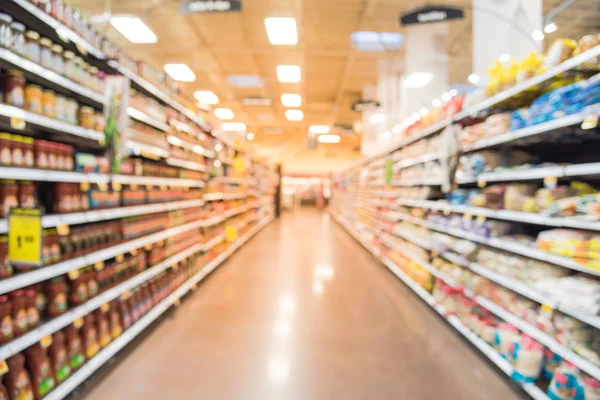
x=303, y=312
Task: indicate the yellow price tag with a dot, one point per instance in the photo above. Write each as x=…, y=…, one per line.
x=239, y=165
x=231, y=233
x=194, y=287
x=46, y=341
x=78, y=323
x=133, y=252
x=73, y=274
x=84, y=186
x=125, y=295
x=481, y=182
x=467, y=216
x=550, y=182
x=590, y=122
x=161, y=243
x=177, y=303
x=163, y=187
x=81, y=49
x=103, y=186
x=3, y=367
x=434, y=253
x=63, y=229
x=148, y=246
x=120, y=258
x=25, y=236
x=117, y=186
x=17, y=123
x=547, y=308
x=149, y=187
x=133, y=186
x=99, y=266
x=480, y=219
x=105, y=307
x=446, y=212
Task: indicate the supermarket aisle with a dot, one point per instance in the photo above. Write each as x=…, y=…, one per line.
x=303, y=312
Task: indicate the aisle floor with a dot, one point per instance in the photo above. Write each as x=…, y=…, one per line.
x=302, y=312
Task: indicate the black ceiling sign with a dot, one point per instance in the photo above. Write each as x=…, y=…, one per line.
x=366, y=105
x=430, y=14
x=209, y=6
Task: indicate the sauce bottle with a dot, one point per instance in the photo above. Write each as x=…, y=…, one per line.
x=125, y=311
x=17, y=379
x=19, y=312
x=59, y=359
x=3, y=391
x=90, y=336
x=56, y=295
x=6, y=324
x=74, y=347
x=103, y=327
x=40, y=370
x=78, y=292
x=33, y=315
x=114, y=320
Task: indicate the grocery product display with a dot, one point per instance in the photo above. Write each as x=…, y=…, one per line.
x=487, y=209
x=133, y=211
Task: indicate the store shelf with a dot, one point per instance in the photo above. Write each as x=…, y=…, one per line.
x=228, y=214
x=105, y=355
x=61, y=268
x=50, y=76
x=224, y=196
x=409, y=162
x=569, y=64
x=144, y=149
x=417, y=182
x=50, y=175
x=534, y=130
x=175, y=141
x=147, y=119
x=50, y=124
x=52, y=220
x=155, y=181
x=186, y=164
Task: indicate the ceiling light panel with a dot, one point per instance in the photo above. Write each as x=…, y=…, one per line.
x=180, y=72
x=289, y=73
x=291, y=100
x=328, y=138
x=233, y=126
x=318, y=129
x=206, y=97
x=134, y=29
x=294, y=115
x=376, y=41
x=224, y=113
x=418, y=80
x=282, y=31
x=245, y=81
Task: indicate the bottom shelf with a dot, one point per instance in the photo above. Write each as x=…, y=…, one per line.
x=531, y=389
x=107, y=353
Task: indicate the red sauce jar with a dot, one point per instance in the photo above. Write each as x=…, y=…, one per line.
x=28, y=144
x=8, y=196
x=41, y=154
x=19, y=312
x=17, y=151
x=75, y=349
x=56, y=294
x=6, y=324
x=27, y=194
x=18, y=382
x=6, y=268
x=15, y=89
x=33, y=315
x=5, y=149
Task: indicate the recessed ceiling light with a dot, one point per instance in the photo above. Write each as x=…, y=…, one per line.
x=418, y=80
x=328, y=138
x=233, y=126
x=224, y=113
x=134, y=29
x=551, y=27
x=282, y=31
x=289, y=73
x=257, y=101
x=318, y=129
x=423, y=111
x=453, y=92
x=218, y=147
x=291, y=100
x=376, y=41
x=436, y=102
x=504, y=58
x=538, y=36
x=377, y=118
x=294, y=115
x=180, y=72
x=245, y=81
x=206, y=97
x=250, y=136
x=474, y=78
x=446, y=96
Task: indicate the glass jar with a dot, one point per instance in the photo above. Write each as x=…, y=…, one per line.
x=72, y=111
x=52, y=158
x=79, y=69
x=48, y=103
x=58, y=64
x=17, y=151
x=60, y=108
x=5, y=31
x=33, y=98
x=56, y=9
x=94, y=81
x=27, y=195
x=86, y=117
x=15, y=88
x=41, y=154
x=69, y=157
x=67, y=16
x=8, y=196
x=28, y=158
x=5, y=149
x=70, y=67
x=46, y=53
x=17, y=44
x=32, y=44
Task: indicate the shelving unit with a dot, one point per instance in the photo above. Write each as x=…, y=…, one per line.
x=425, y=223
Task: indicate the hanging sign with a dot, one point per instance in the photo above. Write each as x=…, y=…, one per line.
x=430, y=14
x=366, y=105
x=25, y=236
x=209, y=6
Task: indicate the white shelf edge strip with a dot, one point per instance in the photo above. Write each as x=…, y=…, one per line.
x=145, y=118
x=52, y=220
x=224, y=196
x=127, y=336
x=61, y=268
x=416, y=160
x=52, y=76
x=50, y=123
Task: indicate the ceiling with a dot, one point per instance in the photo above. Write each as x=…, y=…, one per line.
x=217, y=45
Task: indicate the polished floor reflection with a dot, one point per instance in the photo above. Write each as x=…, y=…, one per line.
x=302, y=312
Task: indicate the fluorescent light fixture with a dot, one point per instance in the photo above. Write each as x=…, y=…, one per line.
x=180, y=72
x=423, y=111
x=504, y=58
x=257, y=101
x=245, y=81
x=294, y=115
x=436, y=102
x=538, y=36
x=416, y=116
x=281, y=31
x=328, y=139
x=377, y=118
x=224, y=113
x=289, y=73
x=233, y=126
x=453, y=92
x=250, y=136
x=418, y=80
x=218, y=147
x=446, y=96
x=376, y=41
x=319, y=129
x=217, y=163
x=291, y=100
x=474, y=79
x=206, y=97
x=551, y=27
x=134, y=29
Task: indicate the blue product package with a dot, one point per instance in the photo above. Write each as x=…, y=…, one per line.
x=520, y=119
